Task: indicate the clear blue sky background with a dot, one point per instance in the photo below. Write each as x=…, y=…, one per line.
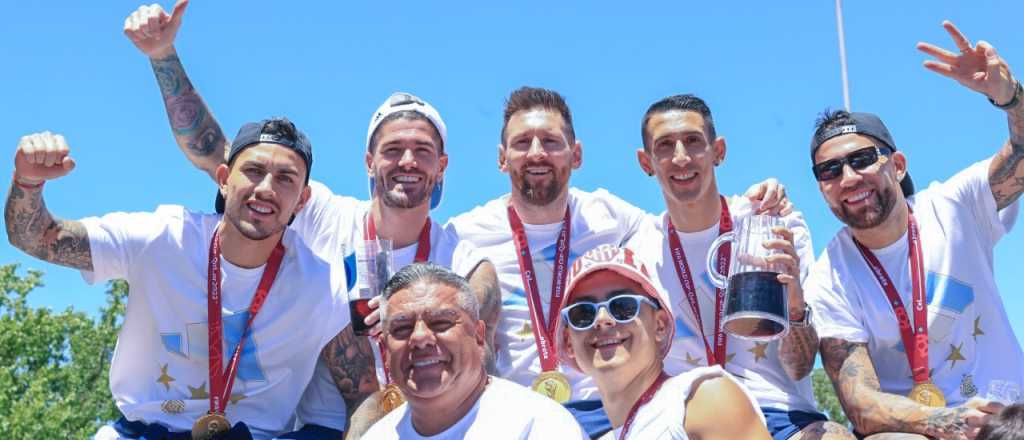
x=765, y=68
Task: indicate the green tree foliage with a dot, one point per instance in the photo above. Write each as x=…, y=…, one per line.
x=826, y=395
x=54, y=366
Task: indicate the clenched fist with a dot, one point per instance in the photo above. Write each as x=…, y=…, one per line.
x=41, y=157
x=152, y=30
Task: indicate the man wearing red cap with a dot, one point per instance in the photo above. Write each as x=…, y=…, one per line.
x=911, y=322
x=616, y=325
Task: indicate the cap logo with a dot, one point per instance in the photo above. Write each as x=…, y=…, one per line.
x=844, y=129
x=607, y=254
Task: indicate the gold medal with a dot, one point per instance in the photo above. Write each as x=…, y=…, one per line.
x=390, y=398
x=209, y=426
x=927, y=394
x=554, y=385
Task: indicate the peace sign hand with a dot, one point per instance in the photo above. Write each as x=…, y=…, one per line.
x=978, y=68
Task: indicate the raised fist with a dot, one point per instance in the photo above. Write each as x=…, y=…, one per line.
x=152, y=30
x=40, y=157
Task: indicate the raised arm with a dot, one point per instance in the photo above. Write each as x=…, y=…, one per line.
x=979, y=68
x=195, y=130
x=30, y=226
x=873, y=411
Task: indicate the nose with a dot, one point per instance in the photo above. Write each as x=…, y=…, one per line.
x=850, y=176
x=604, y=318
x=680, y=155
x=536, y=150
x=407, y=160
x=421, y=336
x=265, y=186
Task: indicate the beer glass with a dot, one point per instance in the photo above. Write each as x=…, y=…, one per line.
x=374, y=267
x=756, y=302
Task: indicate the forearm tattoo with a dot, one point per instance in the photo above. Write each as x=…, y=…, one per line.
x=353, y=368
x=797, y=351
x=31, y=228
x=1006, y=173
x=849, y=367
x=195, y=129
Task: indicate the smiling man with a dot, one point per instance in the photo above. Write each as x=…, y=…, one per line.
x=435, y=349
x=226, y=312
x=616, y=325
x=911, y=322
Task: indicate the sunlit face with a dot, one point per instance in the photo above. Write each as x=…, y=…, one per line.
x=610, y=351
x=264, y=187
x=433, y=346
x=537, y=155
x=864, y=198
x=681, y=156
x=406, y=162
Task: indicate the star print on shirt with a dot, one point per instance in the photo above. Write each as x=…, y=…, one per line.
x=198, y=392
x=955, y=355
x=165, y=379
x=977, y=328
x=758, y=350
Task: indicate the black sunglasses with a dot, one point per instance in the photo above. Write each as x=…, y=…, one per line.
x=858, y=160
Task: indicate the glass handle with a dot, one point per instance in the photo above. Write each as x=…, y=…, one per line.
x=718, y=279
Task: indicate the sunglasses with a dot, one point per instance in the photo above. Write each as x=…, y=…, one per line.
x=858, y=160
x=623, y=309
x=399, y=99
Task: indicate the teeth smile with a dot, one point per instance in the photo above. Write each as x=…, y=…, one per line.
x=261, y=209
x=426, y=363
x=687, y=176
x=538, y=171
x=858, y=197
x=607, y=342
x=407, y=179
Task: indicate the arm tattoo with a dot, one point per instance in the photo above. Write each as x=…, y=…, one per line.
x=484, y=282
x=353, y=368
x=798, y=350
x=1006, y=173
x=853, y=375
x=31, y=228
x=195, y=130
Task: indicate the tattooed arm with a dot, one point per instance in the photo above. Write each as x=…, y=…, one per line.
x=798, y=350
x=353, y=368
x=484, y=281
x=30, y=226
x=1006, y=171
x=873, y=411
x=195, y=130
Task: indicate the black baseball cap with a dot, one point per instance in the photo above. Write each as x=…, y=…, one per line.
x=252, y=133
x=867, y=124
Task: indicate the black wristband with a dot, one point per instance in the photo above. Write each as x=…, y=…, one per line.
x=1017, y=92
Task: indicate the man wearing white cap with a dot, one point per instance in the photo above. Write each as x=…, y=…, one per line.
x=616, y=325
x=405, y=162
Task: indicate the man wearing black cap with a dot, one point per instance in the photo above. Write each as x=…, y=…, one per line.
x=911, y=323
x=226, y=312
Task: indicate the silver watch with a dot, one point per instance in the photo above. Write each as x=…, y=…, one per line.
x=806, y=321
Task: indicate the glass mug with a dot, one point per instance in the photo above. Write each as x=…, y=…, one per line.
x=756, y=302
x=374, y=266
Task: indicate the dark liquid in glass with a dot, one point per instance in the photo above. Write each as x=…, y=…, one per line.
x=756, y=292
x=359, y=309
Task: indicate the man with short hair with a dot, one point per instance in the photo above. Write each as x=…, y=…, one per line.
x=682, y=151
x=405, y=161
x=435, y=343
x=226, y=312
x=531, y=235
x=616, y=325
x=911, y=321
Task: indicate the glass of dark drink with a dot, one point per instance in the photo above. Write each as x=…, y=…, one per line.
x=756, y=302
x=375, y=265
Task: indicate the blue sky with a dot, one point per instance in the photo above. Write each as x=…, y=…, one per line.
x=766, y=69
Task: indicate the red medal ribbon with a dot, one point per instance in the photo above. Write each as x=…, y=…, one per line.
x=544, y=331
x=915, y=343
x=221, y=379
x=422, y=254
x=644, y=398
x=686, y=280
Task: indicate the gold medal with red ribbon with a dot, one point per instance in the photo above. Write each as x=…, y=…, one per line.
x=215, y=422
x=550, y=382
x=914, y=335
x=718, y=354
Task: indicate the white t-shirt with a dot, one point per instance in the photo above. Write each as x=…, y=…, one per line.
x=160, y=371
x=664, y=417
x=970, y=339
x=597, y=218
x=505, y=410
x=755, y=364
x=333, y=225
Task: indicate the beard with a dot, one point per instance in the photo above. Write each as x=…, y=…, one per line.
x=251, y=230
x=393, y=198
x=543, y=193
x=875, y=212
